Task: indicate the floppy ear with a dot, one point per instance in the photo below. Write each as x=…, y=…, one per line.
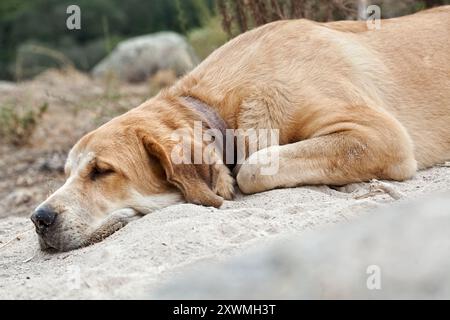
x=194, y=181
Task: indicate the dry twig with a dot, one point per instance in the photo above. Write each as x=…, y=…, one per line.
x=17, y=237
x=446, y=164
x=378, y=187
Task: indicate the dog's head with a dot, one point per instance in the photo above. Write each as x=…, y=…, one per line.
x=121, y=170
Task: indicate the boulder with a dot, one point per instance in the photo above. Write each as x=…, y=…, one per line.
x=138, y=58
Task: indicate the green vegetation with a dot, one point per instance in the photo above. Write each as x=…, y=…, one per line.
x=208, y=38
x=25, y=24
x=34, y=36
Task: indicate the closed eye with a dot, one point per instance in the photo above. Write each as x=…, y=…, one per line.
x=98, y=173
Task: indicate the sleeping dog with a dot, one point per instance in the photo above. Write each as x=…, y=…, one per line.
x=348, y=104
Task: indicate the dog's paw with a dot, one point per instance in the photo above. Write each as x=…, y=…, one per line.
x=224, y=184
x=114, y=222
x=124, y=216
x=247, y=178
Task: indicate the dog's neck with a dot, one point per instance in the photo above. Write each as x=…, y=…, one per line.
x=214, y=121
x=209, y=114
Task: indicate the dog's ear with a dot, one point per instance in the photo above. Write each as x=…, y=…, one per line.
x=193, y=180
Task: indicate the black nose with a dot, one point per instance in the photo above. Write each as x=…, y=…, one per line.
x=43, y=218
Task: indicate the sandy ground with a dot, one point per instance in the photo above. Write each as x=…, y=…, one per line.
x=135, y=261
x=139, y=258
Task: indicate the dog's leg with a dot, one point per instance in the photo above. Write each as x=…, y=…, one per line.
x=116, y=221
x=353, y=153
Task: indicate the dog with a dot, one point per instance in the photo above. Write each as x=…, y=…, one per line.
x=349, y=105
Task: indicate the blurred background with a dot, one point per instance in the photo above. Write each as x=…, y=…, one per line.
x=34, y=36
x=56, y=84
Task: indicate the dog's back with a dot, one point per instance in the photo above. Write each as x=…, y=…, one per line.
x=402, y=68
x=416, y=52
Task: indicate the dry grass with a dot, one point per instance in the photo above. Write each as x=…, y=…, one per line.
x=162, y=79
x=17, y=123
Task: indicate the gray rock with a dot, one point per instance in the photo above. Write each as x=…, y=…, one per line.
x=138, y=58
x=7, y=86
x=401, y=252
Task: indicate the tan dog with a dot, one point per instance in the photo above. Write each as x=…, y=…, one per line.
x=350, y=105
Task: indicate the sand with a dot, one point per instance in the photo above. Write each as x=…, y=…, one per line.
x=144, y=255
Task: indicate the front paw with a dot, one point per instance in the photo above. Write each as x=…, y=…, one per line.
x=124, y=216
x=247, y=178
x=114, y=222
x=224, y=183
